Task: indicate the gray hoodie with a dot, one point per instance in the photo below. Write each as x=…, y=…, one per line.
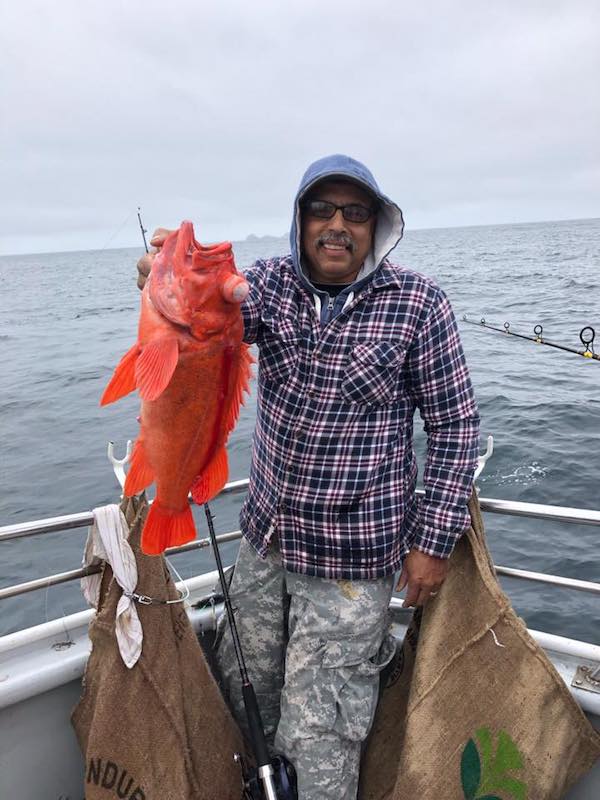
x=388, y=231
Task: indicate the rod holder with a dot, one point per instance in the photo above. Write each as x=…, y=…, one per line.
x=118, y=464
x=483, y=459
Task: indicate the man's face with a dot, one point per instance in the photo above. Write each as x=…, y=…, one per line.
x=335, y=249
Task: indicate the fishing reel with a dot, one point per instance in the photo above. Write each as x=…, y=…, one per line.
x=283, y=778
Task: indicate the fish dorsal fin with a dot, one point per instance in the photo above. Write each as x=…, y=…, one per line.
x=155, y=367
x=214, y=475
x=140, y=474
x=242, y=387
x=212, y=478
x=123, y=379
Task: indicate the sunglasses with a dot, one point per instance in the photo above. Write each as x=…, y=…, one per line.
x=352, y=212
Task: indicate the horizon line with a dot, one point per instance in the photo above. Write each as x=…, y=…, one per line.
x=272, y=236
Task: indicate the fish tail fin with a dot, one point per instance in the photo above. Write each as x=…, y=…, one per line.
x=155, y=367
x=212, y=479
x=140, y=474
x=166, y=528
x=123, y=379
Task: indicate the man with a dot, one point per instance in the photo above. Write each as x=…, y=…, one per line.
x=350, y=345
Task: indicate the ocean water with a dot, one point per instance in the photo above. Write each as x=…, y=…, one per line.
x=66, y=319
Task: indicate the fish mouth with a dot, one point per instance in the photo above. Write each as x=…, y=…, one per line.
x=208, y=256
x=185, y=241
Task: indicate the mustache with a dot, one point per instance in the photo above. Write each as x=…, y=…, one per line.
x=341, y=238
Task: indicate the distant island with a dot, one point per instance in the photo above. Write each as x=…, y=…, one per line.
x=252, y=237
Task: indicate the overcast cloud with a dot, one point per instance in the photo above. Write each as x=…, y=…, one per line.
x=467, y=112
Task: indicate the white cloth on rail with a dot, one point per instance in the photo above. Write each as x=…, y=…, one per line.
x=107, y=541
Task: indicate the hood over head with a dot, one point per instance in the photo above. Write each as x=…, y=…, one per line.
x=389, y=226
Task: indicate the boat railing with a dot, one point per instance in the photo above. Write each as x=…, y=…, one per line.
x=490, y=505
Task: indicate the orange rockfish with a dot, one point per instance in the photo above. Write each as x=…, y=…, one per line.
x=190, y=368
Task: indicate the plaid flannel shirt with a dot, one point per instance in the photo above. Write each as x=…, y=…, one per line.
x=333, y=468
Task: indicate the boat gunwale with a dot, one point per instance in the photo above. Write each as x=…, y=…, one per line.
x=66, y=646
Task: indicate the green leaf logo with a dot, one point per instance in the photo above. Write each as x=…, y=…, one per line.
x=485, y=774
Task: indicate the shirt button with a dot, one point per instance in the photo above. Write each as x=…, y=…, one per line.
x=310, y=393
x=292, y=469
x=283, y=505
x=298, y=434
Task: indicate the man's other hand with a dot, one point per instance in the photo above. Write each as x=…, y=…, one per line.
x=144, y=265
x=423, y=575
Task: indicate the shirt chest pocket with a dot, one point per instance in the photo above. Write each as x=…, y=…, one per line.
x=278, y=355
x=373, y=374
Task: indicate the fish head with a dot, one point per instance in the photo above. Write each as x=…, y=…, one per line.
x=198, y=286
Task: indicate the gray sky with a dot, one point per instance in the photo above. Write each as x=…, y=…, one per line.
x=467, y=112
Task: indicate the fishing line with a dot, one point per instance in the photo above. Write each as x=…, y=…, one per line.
x=119, y=229
x=46, y=601
x=586, y=336
x=68, y=642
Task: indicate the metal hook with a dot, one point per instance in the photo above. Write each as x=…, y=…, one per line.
x=118, y=464
x=481, y=460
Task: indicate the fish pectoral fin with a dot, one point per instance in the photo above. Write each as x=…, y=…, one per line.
x=123, y=379
x=165, y=527
x=212, y=479
x=140, y=474
x=155, y=367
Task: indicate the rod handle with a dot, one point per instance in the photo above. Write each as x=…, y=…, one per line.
x=257, y=733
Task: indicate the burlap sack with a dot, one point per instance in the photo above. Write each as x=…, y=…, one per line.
x=161, y=730
x=463, y=718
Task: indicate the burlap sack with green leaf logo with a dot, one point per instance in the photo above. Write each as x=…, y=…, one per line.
x=464, y=718
x=161, y=730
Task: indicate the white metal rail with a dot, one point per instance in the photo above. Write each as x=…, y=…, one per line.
x=491, y=505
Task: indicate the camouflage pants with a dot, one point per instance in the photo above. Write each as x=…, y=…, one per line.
x=314, y=649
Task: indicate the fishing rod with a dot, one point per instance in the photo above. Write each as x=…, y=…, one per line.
x=143, y=230
x=586, y=337
x=273, y=778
